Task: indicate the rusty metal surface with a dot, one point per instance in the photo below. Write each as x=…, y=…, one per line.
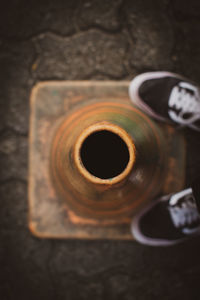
x=55, y=214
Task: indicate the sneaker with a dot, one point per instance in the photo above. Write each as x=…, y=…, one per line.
x=167, y=221
x=167, y=97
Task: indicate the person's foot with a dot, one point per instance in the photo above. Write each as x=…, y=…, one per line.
x=167, y=97
x=168, y=220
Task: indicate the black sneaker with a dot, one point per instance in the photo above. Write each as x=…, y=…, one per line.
x=167, y=97
x=169, y=220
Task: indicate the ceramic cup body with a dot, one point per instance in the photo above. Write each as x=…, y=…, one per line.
x=115, y=197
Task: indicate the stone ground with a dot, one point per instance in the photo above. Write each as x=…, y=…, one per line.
x=78, y=40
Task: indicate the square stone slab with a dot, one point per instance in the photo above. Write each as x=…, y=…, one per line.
x=48, y=217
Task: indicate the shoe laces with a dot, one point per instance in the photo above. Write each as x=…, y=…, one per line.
x=185, y=99
x=184, y=212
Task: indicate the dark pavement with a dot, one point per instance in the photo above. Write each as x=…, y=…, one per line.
x=79, y=40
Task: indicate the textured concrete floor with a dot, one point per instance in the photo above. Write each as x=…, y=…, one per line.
x=77, y=40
